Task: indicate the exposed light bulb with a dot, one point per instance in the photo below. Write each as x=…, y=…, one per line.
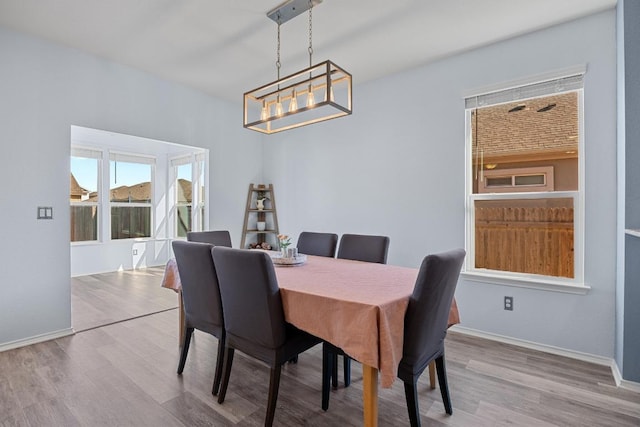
x=293, y=105
x=311, y=100
x=279, y=110
x=264, y=113
x=331, y=97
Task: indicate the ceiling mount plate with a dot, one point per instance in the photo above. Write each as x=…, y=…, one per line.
x=290, y=9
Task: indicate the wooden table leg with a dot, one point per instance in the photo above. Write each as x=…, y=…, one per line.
x=181, y=325
x=432, y=374
x=370, y=395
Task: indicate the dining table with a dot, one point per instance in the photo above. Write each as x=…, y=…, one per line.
x=356, y=306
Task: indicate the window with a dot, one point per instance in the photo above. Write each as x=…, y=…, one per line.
x=84, y=195
x=520, y=179
x=201, y=187
x=524, y=214
x=130, y=195
x=184, y=198
x=189, y=184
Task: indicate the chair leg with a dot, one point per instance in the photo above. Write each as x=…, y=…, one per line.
x=411, y=395
x=274, y=384
x=432, y=374
x=327, y=369
x=228, y=361
x=442, y=381
x=334, y=371
x=219, y=363
x=347, y=370
x=185, y=349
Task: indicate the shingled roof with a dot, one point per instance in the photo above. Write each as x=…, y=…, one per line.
x=76, y=191
x=184, y=191
x=141, y=193
x=138, y=193
x=538, y=127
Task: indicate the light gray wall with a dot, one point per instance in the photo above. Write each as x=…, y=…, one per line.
x=44, y=89
x=621, y=193
x=631, y=293
x=632, y=107
x=396, y=167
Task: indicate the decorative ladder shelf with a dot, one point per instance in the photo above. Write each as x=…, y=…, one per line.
x=256, y=212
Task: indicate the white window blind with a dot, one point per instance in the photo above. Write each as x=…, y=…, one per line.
x=131, y=158
x=86, y=153
x=179, y=161
x=549, y=87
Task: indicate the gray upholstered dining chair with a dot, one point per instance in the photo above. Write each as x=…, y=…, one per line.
x=254, y=317
x=357, y=247
x=201, y=299
x=361, y=247
x=319, y=244
x=425, y=328
x=216, y=237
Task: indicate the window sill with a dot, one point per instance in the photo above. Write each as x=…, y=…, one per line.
x=86, y=243
x=630, y=232
x=539, y=283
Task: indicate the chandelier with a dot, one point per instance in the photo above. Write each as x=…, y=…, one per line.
x=315, y=94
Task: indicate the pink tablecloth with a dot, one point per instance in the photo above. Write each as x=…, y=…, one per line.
x=357, y=306
x=171, y=278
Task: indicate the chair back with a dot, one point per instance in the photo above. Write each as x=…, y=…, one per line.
x=200, y=290
x=320, y=244
x=251, y=297
x=216, y=238
x=426, y=319
x=365, y=248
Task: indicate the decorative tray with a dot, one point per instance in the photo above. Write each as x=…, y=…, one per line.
x=278, y=259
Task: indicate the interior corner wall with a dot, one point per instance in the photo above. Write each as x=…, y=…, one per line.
x=396, y=167
x=631, y=293
x=45, y=89
x=621, y=191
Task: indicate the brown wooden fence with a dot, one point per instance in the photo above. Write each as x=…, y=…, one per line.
x=84, y=223
x=527, y=236
x=130, y=221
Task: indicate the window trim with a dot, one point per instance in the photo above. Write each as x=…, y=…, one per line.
x=98, y=155
x=572, y=285
x=147, y=160
x=513, y=174
x=197, y=160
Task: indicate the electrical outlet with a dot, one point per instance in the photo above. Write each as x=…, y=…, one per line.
x=508, y=303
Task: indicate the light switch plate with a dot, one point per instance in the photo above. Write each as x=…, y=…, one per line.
x=45, y=212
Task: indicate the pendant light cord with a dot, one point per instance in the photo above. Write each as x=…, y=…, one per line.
x=278, y=64
x=310, y=33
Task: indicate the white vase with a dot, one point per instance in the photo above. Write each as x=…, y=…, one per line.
x=260, y=204
x=261, y=225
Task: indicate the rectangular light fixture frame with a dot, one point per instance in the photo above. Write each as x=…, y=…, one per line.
x=331, y=87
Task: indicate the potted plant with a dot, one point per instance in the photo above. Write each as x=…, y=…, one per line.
x=285, y=241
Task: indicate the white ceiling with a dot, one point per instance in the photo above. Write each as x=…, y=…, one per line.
x=226, y=48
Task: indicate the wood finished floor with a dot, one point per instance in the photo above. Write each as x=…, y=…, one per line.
x=123, y=374
x=101, y=299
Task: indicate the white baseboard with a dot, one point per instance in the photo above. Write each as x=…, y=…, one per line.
x=585, y=357
x=630, y=385
x=617, y=376
x=36, y=339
